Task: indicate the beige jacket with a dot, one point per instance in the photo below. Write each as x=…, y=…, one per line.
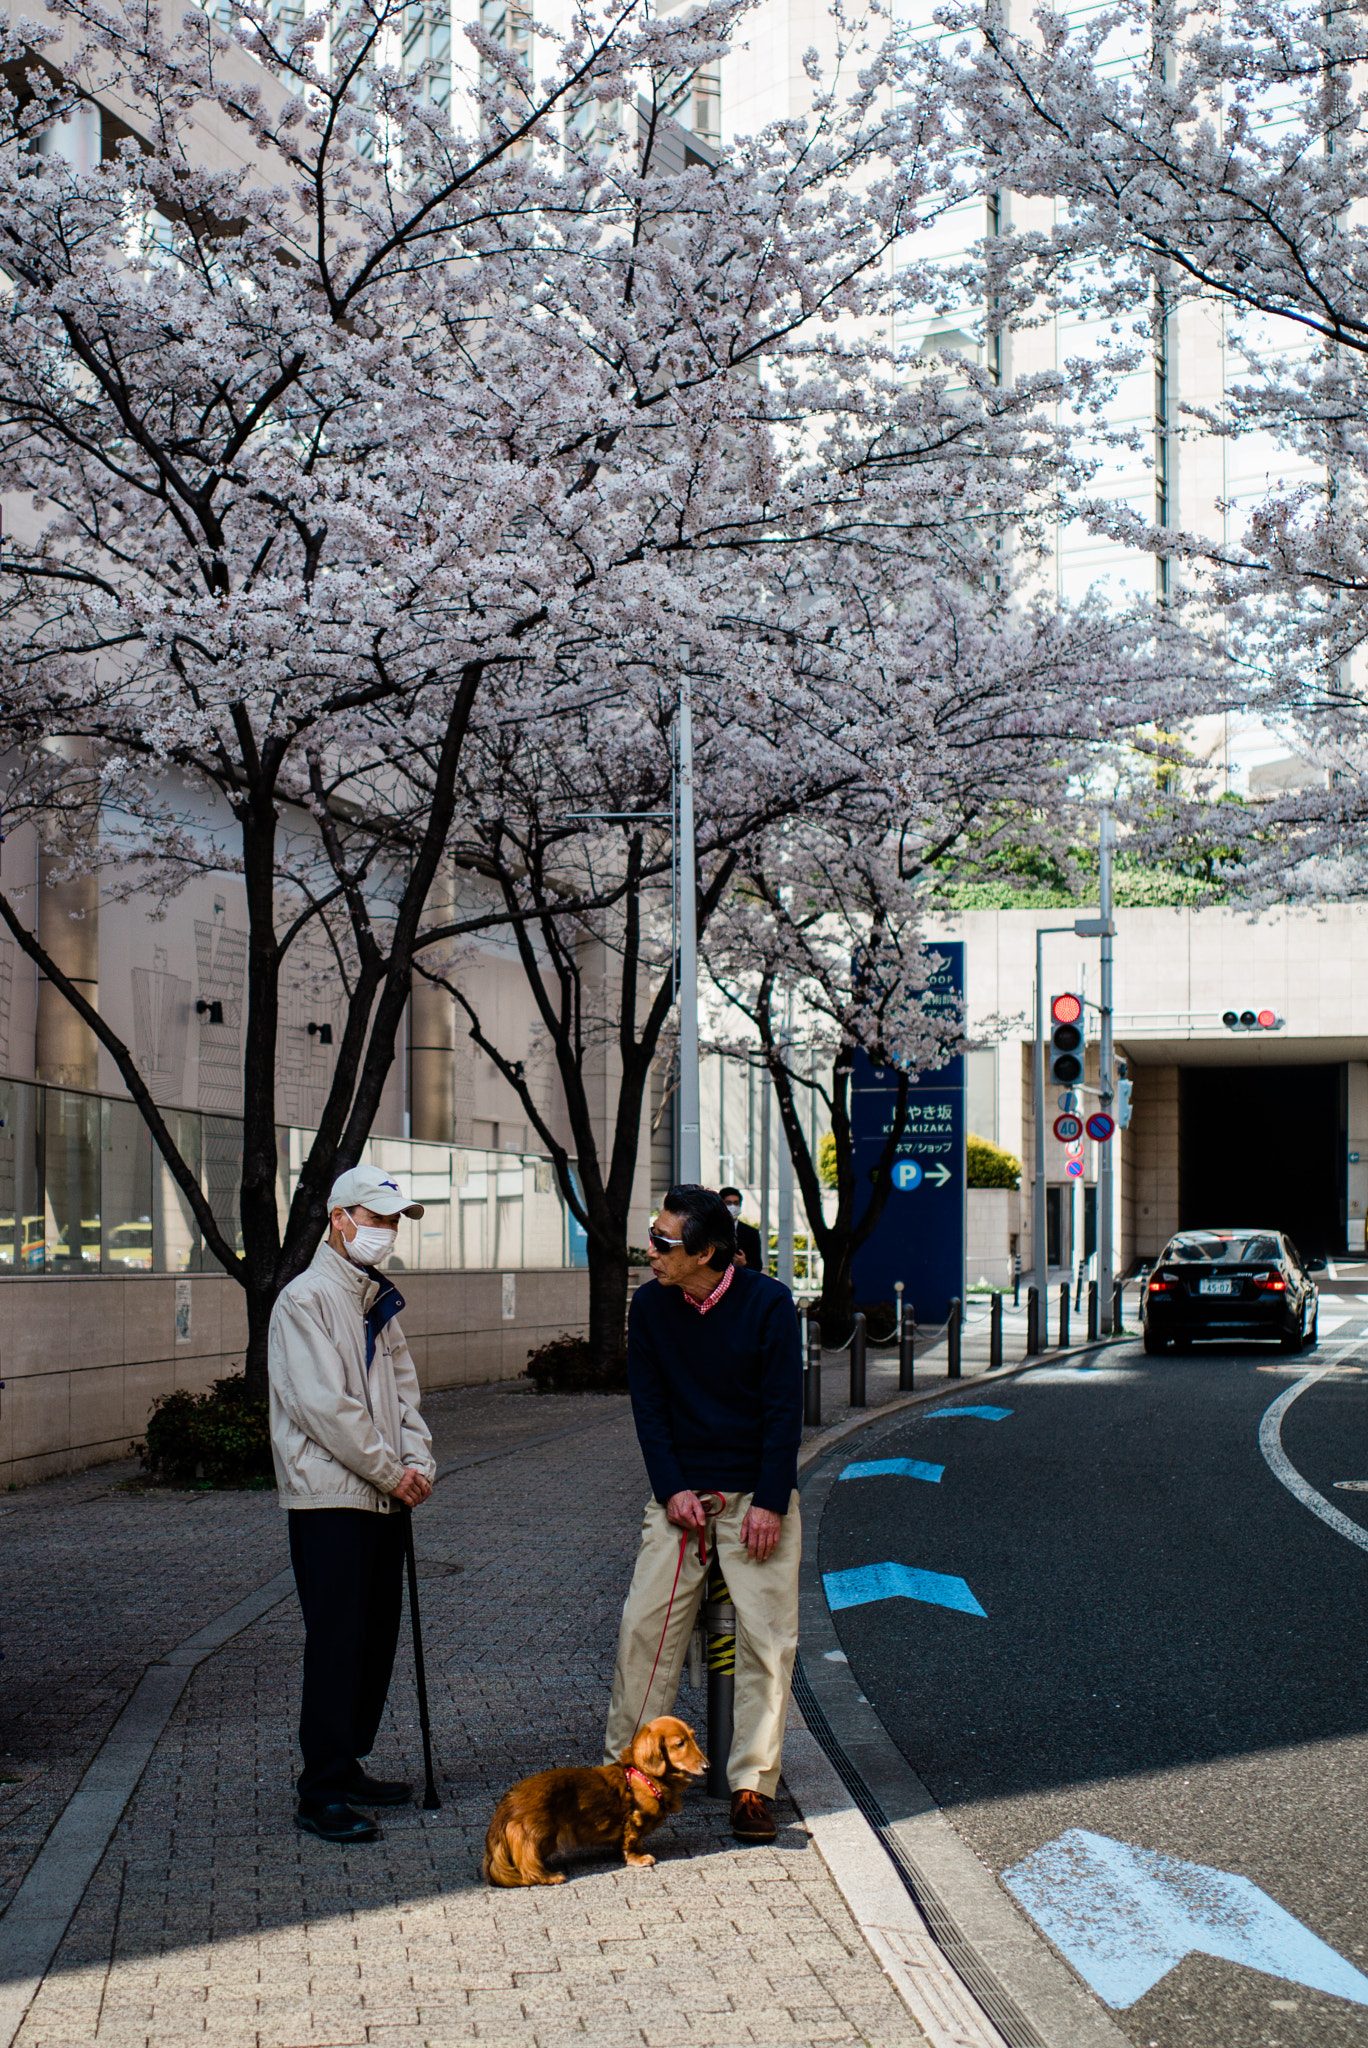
x=341, y=1436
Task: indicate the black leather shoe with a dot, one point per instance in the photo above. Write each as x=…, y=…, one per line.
x=335, y=1823
x=752, y=1817
x=368, y=1791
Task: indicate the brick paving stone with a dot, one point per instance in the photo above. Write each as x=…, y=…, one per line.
x=210, y=1917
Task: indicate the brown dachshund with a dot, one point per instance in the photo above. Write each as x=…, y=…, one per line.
x=616, y=1804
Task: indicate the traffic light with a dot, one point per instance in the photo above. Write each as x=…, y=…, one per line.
x=1121, y=1103
x=1066, y=1040
x=1252, y=1020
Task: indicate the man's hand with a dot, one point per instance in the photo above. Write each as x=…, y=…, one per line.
x=740, y=1259
x=685, y=1510
x=412, y=1489
x=760, y=1532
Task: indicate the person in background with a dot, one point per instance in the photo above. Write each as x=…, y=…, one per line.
x=748, y=1250
x=716, y=1375
x=351, y=1454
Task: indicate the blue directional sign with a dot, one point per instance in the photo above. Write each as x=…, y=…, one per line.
x=1124, y=1917
x=919, y=1239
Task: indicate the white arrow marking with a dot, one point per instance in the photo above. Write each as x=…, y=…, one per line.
x=939, y=1174
x=1125, y=1917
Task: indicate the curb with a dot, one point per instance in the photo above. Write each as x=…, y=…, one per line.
x=967, y=1962
x=817, y=1446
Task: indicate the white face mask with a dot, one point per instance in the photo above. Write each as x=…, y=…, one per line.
x=371, y=1244
x=733, y=1208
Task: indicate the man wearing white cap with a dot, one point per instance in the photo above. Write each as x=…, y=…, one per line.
x=351, y=1453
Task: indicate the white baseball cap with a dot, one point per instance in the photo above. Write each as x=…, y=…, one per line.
x=371, y=1189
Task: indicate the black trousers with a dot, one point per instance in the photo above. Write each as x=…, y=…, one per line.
x=349, y=1569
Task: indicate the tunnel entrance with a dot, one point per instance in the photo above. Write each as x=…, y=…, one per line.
x=1265, y=1144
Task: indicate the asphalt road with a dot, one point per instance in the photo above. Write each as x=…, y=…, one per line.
x=1173, y=1658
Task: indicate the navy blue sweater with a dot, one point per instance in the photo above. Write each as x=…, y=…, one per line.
x=718, y=1399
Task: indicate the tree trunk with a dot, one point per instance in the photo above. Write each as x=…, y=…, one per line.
x=836, y=1304
x=260, y=1302
x=608, y=1276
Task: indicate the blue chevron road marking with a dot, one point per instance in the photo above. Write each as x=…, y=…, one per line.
x=905, y=1468
x=988, y=1414
x=897, y=1582
x=1125, y=1917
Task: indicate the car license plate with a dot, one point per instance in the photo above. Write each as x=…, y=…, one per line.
x=1216, y=1286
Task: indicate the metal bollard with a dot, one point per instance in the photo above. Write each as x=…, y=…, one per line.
x=812, y=1376
x=952, y=1338
x=1016, y=1282
x=858, y=1343
x=1032, y=1321
x=1092, y=1311
x=1117, y=1292
x=907, y=1337
x=995, y=1334
x=719, y=1625
x=1064, y=1317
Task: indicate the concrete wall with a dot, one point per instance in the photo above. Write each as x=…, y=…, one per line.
x=994, y=1220
x=1149, y=1207
x=83, y=1359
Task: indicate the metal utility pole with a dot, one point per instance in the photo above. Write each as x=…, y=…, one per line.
x=1106, y=1166
x=690, y=1143
x=1040, y=1264
x=1081, y=928
x=768, y=1086
x=786, y=1174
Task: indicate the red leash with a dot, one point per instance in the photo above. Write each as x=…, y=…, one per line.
x=721, y=1500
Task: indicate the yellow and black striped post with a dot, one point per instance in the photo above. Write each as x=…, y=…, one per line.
x=719, y=1625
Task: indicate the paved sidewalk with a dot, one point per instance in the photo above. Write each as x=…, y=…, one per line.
x=210, y=1916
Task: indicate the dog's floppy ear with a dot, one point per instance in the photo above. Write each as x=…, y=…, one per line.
x=648, y=1751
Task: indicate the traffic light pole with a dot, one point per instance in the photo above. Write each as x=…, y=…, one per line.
x=1039, y=1260
x=1081, y=928
x=1106, y=1166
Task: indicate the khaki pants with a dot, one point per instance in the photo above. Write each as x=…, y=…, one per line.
x=766, y=1600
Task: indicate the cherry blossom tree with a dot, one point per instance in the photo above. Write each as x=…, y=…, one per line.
x=820, y=943
x=338, y=427
x=1209, y=163
x=345, y=429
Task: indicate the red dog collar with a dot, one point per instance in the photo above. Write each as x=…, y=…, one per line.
x=649, y=1783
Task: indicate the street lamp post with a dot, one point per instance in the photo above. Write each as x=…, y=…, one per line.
x=1106, y=1167
x=690, y=1140
x=689, y=1165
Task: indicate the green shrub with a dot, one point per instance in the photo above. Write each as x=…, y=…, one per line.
x=567, y=1366
x=990, y=1166
x=221, y=1438
x=826, y=1159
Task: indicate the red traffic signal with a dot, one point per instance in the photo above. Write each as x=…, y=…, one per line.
x=1252, y=1020
x=1066, y=1009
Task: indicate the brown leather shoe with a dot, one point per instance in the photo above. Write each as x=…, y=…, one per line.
x=752, y=1817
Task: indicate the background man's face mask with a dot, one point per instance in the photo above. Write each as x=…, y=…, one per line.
x=734, y=1208
x=371, y=1243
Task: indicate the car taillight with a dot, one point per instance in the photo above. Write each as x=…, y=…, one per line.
x=1273, y=1283
x=1160, y=1287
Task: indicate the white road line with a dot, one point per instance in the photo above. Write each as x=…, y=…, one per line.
x=1281, y=1466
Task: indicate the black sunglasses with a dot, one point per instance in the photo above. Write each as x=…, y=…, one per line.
x=661, y=1243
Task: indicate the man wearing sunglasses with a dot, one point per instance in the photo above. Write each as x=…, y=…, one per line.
x=716, y=1374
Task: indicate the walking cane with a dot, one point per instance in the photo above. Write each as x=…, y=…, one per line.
x=430, y=1800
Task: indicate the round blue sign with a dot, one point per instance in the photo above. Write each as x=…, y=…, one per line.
x=907, y=1175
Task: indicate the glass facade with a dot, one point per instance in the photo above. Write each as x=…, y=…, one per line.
x=82, y=1190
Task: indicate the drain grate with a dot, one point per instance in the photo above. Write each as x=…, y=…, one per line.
x=1010, y=2021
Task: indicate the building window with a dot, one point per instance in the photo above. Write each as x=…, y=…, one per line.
x=427, y=49
x=508, y=25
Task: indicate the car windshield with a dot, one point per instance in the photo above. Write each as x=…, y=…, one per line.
x=1238, y=1248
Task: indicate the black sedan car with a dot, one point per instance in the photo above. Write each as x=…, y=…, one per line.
x=1229, y=1283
